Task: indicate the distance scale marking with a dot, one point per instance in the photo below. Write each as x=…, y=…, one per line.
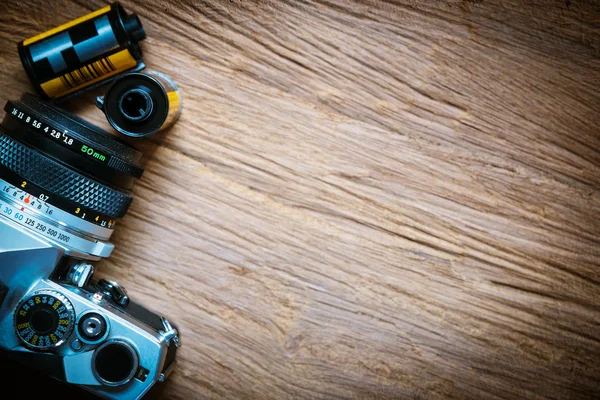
x=28, y=193
x=58, y=135
x=22, y=217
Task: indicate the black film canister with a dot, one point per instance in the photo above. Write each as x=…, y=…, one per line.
x=83, y=53
x=140, y=104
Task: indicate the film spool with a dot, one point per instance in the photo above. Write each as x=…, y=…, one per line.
x=84, y=53
x=140, y=104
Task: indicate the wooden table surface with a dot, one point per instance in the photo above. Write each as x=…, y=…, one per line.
x=370, y=200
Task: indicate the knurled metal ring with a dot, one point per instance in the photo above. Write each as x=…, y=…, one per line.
x=60, y=180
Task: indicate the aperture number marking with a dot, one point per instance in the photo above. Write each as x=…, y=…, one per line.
x=59, y=136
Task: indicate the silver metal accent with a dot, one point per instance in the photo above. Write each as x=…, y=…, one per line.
x=53, y=231
x=93, y=326
x=68, y=221
x=28, y=258
x=134, y=356
x=25, y=258
x=164, y=375
x=26, y=262
x=168, y=85
x=169, y=334
x=80, y=274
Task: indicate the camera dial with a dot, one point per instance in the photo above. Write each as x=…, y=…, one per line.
x=44, y=320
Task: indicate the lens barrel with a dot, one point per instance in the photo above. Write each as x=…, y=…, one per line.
x=66, y=163
x=141, y=104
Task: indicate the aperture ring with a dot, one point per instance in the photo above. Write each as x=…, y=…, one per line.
x=21, y=113
x=54, y=150
x=60, y=180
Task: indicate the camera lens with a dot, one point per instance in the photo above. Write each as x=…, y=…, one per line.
x=114, y=363
x=141, y=104
x=63, y=177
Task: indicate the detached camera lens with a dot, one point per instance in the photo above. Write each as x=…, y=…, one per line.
x=115, y=363
x=140, y=104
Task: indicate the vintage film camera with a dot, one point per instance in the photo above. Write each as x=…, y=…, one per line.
x=58, y=207
x=64, y=183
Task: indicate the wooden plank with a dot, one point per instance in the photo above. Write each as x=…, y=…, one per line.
x=366, y=200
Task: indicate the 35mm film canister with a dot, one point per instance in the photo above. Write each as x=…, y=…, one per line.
x=83, y=53
x=140, y=104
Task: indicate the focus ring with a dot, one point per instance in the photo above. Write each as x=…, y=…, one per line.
x=60, y=180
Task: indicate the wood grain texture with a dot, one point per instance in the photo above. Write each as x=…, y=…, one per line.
x=366, y=200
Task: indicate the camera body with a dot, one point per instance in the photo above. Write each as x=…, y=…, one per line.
x=55, y=221
x=27, y=267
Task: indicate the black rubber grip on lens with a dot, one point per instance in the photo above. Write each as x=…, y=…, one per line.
x=61, y=181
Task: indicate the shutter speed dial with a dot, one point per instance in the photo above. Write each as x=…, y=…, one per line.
x=44, y=320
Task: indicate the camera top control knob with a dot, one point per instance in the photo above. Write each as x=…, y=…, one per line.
x=114, y=291
x=44, y=320
x=80, y=274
